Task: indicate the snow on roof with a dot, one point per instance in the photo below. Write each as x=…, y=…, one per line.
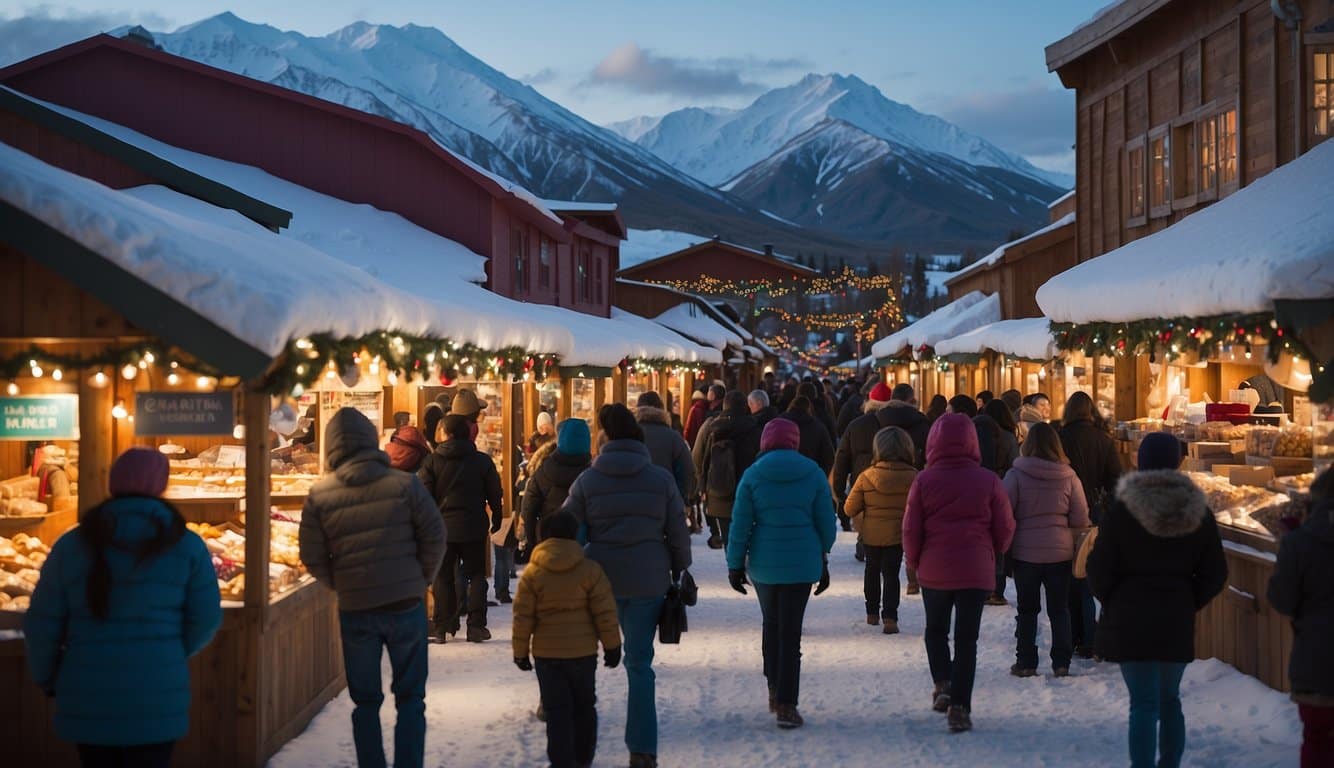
x=1029, y=338
x=574, y=205
x=643, y=245
x=1098, y=14
x=995, y=256
x=963, y=314
x=689, y=319
x=265, y=289
x=1273, y=239
x=1060, y=199
x=651, y=340
x=358, y=234
x=752, y=352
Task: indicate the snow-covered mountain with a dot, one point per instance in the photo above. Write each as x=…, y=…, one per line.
x=838, y=177
x=418, y=76
x=718, y=144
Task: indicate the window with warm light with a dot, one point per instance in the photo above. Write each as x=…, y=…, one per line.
x=1160, y=167
x=1227, y=147
x=1208, y=141
x=544, y=262
x=1322, y=93
x=519, y=253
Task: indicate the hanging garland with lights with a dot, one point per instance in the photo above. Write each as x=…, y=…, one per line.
x=1174, y=337
x=125, y=360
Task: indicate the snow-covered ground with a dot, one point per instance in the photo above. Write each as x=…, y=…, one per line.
x=864, y=695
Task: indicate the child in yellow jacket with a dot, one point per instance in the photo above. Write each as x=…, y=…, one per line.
x=875, y=507
x=563, y=607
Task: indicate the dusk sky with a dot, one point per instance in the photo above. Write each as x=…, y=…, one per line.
x=978, y=63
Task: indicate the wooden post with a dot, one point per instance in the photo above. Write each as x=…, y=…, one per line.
x=95, y=441
x=619, y=385
x=599, y=395
x=563, y=408
x=510, y=395
x=255, y=409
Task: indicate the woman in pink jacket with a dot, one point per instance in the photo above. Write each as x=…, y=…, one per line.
x=1048, y=503
x=957, y=522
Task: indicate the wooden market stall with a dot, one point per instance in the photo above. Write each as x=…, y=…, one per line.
x=914, y=344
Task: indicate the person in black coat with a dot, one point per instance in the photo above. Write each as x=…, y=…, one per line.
x=820, y=407
x=758, y=403
x=815, y=443
x=1157, y=560
x=552, y=470
x=852, y=407
x=1092, y=454
x=464, y=482
x=1302, y=588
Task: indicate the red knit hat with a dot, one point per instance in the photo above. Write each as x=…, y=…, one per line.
x=881, y=393
x=780, y=433
x=140, y=471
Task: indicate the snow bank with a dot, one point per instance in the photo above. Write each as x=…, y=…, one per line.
x=1029, y=338
x=643, y=245
x=965, y=313
x=689, y=319
x=995, y=256
x=865, y=697
x=1271, y=240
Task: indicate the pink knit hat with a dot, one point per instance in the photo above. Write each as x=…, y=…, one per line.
x=140, y=471
x=780, y=433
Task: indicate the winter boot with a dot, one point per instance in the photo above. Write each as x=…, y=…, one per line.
x=997, y=600
x=960, y=720
x=643, y=760
x=913, y=589
x=891, y=627
x=478, y=634
x=541, y=713
x=438, y=637
x=789, y=717
x=1019, y=670
x=940, y=698
x=872, y=619
x=1061, y=671
x=860, y=552
x=715, y=542
x=773, y=700
x=505, y=598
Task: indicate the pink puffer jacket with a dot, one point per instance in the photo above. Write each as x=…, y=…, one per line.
x=1048, y=501
x=958, y=516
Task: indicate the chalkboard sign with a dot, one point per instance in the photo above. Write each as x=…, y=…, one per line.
x=184, y=413
x=39, y=417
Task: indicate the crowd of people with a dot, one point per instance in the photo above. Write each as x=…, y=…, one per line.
x=968, y=494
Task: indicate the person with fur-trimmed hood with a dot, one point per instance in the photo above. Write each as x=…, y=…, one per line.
x=1157, y=561
x=667, y=447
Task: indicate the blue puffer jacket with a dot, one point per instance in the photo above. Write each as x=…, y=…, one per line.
x=782, y=520
x=123, y=681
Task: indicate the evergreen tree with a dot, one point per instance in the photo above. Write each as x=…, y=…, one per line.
x=920, y=299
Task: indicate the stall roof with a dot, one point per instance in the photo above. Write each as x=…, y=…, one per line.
x=1273, y=239
x=1060, y=199
x=1028, y=338
x=689, y=319
x=997, y=255
x=963, y=314
x=656, y=341
x=392, y=249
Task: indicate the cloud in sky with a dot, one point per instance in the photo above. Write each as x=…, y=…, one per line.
x=40, y=28
x=1036, y=121
x=644, y=71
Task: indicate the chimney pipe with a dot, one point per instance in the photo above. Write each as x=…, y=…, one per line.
x=768, y=249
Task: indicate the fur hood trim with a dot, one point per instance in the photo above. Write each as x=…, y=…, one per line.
x=1164, y=501
x=539, y=456
x=871, y=406
x=647, y=414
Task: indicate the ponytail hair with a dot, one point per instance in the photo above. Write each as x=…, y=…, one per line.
x=98, y=531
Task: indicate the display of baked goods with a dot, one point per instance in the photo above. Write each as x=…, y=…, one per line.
x=22, y=508
x=1242, y=506
x=1293, y=483
x=227, y=545
x=1294, y=442
x=21, y=487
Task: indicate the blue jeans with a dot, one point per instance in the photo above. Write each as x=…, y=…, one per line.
x=639, y=628
x=1030, y=579
x=964, y=606
x=1156, y=723
x=504, y=557
x=365, y=634
x=783, y=607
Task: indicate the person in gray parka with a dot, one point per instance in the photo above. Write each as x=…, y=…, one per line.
x=374, y=535
x=665, y=445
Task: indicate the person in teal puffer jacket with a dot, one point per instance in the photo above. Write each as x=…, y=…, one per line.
x=124, y=600
x=783, y=526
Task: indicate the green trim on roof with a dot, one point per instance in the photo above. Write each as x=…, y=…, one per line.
x=143, y=305
x=169, y=174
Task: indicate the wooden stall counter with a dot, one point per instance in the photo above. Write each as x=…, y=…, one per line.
x=1239, y=626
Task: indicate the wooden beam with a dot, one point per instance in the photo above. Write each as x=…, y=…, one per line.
x=255, y=414
x=95, y=440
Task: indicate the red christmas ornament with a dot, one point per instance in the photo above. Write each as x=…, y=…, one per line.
x=445, y=381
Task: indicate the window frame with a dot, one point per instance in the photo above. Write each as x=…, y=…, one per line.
x=1136, y=218
x=519, y=257
x=1185, y=186
x=583, y=273
x=544, y=260
x=1314, y=138
x=1226, y=188
x=1164, y=208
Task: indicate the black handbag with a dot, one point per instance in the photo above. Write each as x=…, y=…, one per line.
x=672, y=619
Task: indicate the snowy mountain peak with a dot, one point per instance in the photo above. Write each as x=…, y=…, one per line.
x=717, y=146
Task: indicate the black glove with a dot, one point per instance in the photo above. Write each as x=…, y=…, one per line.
x=824, y=577
x=737, y=578
x=523, y=663
x=611, y=657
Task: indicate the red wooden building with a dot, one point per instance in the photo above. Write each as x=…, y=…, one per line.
x=533, y=253
x=718, y=259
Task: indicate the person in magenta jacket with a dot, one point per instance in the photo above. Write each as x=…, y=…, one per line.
x=957, y=522
x=1049, y=505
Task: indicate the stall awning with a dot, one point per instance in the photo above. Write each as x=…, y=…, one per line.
x=965, y=313
x=1029, y=339
x=1273, y=239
